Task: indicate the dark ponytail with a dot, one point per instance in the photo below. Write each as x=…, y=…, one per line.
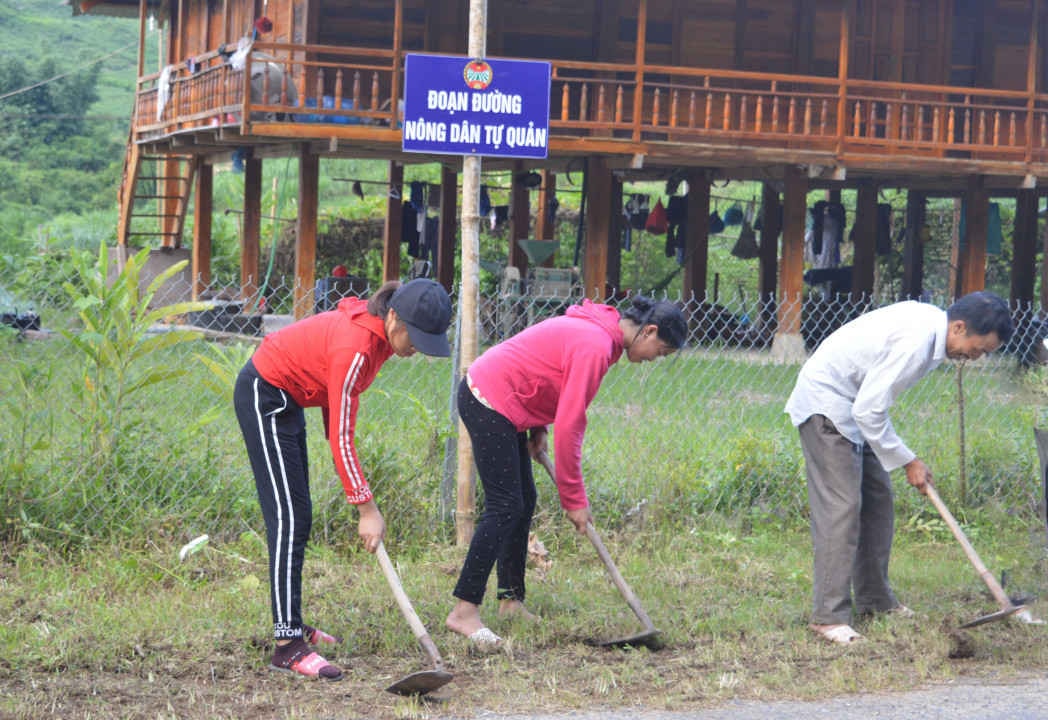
x=663, y=314
x=378, y=304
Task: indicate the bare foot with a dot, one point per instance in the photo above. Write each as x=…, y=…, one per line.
x=464, y=618
x=509, y=607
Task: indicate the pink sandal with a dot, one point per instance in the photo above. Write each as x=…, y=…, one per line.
x=296, y=658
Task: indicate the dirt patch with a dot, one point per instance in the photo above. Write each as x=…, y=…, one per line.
x=557, y=679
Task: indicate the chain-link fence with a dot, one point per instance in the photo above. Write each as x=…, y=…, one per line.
x=702, y=431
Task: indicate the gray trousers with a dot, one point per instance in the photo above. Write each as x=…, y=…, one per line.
x=852, y=523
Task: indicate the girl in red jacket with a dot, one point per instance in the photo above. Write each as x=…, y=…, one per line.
x=325, y=361
x=546, y=374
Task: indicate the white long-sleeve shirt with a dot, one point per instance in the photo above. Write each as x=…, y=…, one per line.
x=855, y=375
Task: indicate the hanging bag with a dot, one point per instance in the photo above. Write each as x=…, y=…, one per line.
x=657, y=222
x=746, y=247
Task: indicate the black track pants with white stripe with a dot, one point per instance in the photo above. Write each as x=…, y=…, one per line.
x=274, y=429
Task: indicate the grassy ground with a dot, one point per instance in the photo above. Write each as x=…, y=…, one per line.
x=131, y=631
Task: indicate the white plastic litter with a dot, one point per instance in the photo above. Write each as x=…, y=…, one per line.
x=192, y=547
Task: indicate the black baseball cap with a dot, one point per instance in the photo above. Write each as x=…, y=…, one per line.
x=425, y=308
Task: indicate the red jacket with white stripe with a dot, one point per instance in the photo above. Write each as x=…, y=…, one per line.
x=326, y=361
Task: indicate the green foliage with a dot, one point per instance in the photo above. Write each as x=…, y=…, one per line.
x=23, y=393
x=116, y=345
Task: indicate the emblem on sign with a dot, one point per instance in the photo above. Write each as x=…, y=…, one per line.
x=477, y=74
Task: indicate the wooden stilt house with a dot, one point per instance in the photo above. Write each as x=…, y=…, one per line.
x=938, y=97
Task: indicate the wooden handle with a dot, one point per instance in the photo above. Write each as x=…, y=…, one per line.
x=991, y=582
x=405, y=607
x=605, y=557
x=616, y=576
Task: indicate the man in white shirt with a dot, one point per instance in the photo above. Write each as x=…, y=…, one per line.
x=840, y=407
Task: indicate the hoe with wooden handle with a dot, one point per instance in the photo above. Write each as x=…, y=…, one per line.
x=649, y=637
x=424, y=681
x=1008, y=608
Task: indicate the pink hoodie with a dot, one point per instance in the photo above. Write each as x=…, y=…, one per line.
x=549, y=373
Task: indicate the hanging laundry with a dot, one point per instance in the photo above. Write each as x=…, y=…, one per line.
x=656, y=223
x=499, y=215
x=746, y=247
x=637, y=211
x=994, y=234
x=822, y=243
x=409, y=229
x=733, y=215
x=429, y=240
x=716, y=225
x=433, y=196
x=418, y=196
x=676, y=221
x=358, y=190
x=484, y=205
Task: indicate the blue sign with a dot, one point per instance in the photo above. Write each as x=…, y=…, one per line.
x=462, y=106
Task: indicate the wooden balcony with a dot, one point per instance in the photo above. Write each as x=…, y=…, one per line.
x=670, y=115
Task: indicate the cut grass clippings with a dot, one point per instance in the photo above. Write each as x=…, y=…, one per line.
x=130, y=631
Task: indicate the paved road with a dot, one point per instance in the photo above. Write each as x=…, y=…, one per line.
x=1025, y=700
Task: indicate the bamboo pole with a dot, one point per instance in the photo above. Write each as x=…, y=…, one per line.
x=468, y=290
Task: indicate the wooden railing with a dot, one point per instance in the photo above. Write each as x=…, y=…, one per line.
x=303, y=85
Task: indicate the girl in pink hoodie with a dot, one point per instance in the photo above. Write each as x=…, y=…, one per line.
x=549, y=373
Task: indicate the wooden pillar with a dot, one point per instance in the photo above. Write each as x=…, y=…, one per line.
x=1024, y=249
x=697, y=238
x=598, y=229
x=200, y=257
x=913, y=246
x=252, y=230
x=955, y=250
x=788, y=345
x=973, y=252
x=545, y=225
x=519, y=219
x=768, y=260
x=306, y=231
x=615, y=236
x=865, y=257
x=170, y=200
x=394, y=220
x=445, y=270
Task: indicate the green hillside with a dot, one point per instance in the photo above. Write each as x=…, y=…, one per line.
x=34, y=30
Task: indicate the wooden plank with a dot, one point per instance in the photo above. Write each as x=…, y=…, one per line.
x=393, y=227
x=913, y=246
x=200, y=253
x=598, y=228
x=697, y=238
x=791, y=268
x=519, y=219
x=614, y=235
x=1024, y=249
x=865, y=233
x=973, y=253
x=445, y=273
x=252, y=231
x=306, y=231
x=768, y=262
